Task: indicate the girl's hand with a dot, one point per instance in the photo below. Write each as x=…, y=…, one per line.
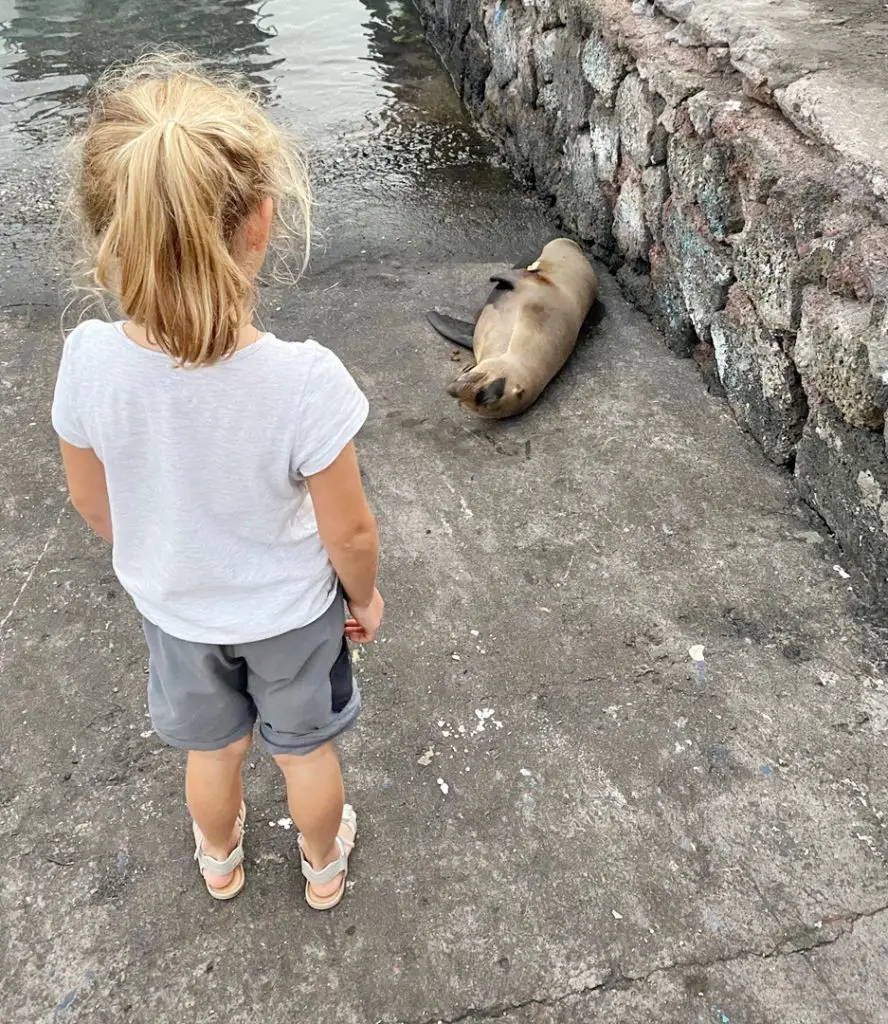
x=364, y=624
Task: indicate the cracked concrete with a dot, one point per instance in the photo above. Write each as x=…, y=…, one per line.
x=649, y=836
x=614, y=982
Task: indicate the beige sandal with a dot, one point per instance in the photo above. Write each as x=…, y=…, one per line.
x=232, y=863
x=346, y=843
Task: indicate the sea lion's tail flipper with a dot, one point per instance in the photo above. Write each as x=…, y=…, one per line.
x=460, y=332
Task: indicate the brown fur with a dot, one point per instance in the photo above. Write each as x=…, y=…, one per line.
x=527, y=331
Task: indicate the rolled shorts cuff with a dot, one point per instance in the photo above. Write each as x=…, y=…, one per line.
x=203, y=744
x=292, y=743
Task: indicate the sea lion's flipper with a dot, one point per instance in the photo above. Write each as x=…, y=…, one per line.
x=460, y=332
x=509, y=278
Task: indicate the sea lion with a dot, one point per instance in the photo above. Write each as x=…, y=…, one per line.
x=525, y=333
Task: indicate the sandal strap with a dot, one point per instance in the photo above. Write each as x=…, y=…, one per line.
x=220, y=867
x=338, y=866
x=328, y=873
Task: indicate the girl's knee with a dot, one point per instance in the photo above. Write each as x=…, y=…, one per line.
x=236, y=751
x=325, y=753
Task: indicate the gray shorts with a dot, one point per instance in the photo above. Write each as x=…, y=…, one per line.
x=298, y=685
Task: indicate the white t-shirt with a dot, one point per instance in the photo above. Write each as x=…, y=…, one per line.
x=215, y=537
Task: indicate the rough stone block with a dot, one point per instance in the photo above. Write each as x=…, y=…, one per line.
x=669, y=307
x=605, y=136
x=526, y=77
x=705, y=106
x=832, y=354
x=547, y=98
x=544, y=53
x=503, y=38
x=843, y=474
x=701, y=171
x=719, y=195
x=760, y=381
x=718, y=59
x=655, y=181
x=685, y=35
x=678, y=10
x=642, y=137
x=877, y=349
x=548, y=12
x=604, y=68
x=557, y=131
x=702, y=265
x=572, y=92
x=584, y=199
x=525, y=134
x=476, y=58
x=766, y=262
x=674, y=84
x=772, y=159
x=861, y=270
x=675, y=120
x=464, y=58
x=468, y=12
x=630, y=227
x=531, y=137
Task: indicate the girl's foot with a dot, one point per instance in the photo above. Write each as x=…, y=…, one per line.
x=213, y=879
x=325, y=886
x=223, y=876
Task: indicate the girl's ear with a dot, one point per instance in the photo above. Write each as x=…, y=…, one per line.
x=258, y=226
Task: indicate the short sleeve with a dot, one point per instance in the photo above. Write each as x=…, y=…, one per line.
x=332, y=411
x=66, y=419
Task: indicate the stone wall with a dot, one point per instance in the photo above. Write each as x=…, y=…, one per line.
x=760, y=251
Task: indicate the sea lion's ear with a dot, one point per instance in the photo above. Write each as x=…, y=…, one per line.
x=518, y=392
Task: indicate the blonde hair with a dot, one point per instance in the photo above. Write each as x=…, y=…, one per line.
x=171, y=164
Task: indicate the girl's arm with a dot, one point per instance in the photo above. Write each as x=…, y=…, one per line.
x=347, y=528
x=87, y=487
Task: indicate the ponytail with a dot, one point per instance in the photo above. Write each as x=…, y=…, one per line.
x=172, y=166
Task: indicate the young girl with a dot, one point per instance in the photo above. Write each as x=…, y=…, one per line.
x=219, y=460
